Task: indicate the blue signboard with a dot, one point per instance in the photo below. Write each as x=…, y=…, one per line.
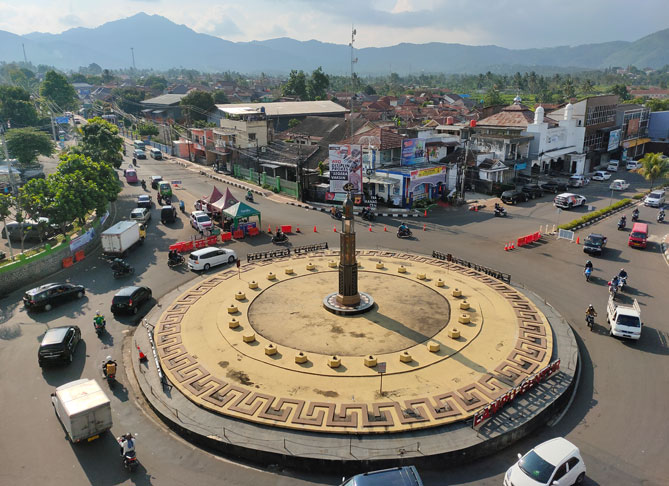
x=62, y=120
x=413, y=151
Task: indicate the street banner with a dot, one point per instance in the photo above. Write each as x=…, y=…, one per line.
x=413, y=151
x=614, y=140
x=345, y=168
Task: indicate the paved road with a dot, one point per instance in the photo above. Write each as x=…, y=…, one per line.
x=617, y=418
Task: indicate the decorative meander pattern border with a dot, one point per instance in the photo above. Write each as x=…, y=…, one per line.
x=528, y=355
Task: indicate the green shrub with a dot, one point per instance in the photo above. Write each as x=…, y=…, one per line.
x=595, y=214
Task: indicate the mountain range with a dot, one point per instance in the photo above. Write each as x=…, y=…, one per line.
x=160, y=44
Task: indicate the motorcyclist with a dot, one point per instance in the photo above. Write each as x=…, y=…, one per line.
x=134, y=161
x=660, y=214
x=173, y=256
x=403, y=228
x=109, y=367
x=99, y=319
x=615, y=281
x=280, y=235
x=588, y=264
x=590, y=311
x=127, y=443
x=143, y=184
x=249, y=195
x=333, y=211
x=623, y=221
x=622, y=274
x=635, y=213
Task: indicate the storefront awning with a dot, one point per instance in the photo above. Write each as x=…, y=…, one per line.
x=380, y=180
x=557, y=152
x=634, y=143
x=270, y=166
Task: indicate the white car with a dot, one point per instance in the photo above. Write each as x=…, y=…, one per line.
x=569, y=200
x=601, y=175
x=632, y=165
x=578, y=181
x=206, y=258
x=555, y=462
x=141, y=215
x=619, y=185
x=200, y=221
x=655, y=199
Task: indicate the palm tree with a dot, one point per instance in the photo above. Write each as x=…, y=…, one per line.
x=654, y=166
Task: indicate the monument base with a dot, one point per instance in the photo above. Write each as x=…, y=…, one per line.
x=331, y=303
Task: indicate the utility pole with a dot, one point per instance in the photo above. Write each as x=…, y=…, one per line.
x=25, y=58
x=132, y=49
x=353, y=61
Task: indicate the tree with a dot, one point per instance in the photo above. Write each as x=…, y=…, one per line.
x=369, y=90
x=102, y=175
x=147, y=129
x=568, y=88
x=101, y=142
x=318, y=84
x=296, y=85
x=107, y=76
x=5, y=207
x=128, y=99
x=493, y=97
x=56, y=88
x=587, y=87
x=621, y=91
x=293, y=122
x=155, y=83
x=654, y=166
x=197, y=104
x=220, y=97
x=26, y=144
x=16, y=108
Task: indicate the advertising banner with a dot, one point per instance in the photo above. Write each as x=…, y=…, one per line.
x=614, y=140
x=632, y=127
x=345, y=168
x=413, y=151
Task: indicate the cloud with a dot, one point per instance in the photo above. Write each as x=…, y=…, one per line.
x=277, y=31
x=70, y=20
x=225, y=28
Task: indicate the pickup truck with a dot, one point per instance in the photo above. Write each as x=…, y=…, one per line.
x=624, y=320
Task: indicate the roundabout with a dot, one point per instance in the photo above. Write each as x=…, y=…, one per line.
x=258, y=346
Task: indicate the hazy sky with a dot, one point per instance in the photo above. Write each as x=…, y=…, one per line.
x=507, y=23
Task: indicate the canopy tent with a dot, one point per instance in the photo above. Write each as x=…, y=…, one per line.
x=239, y=211
x=215, y=196
x=224, y=202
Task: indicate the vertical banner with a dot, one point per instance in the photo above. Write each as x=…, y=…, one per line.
x=345, y=167
x=413, y=151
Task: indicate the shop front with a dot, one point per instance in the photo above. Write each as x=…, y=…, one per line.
x=415, y=184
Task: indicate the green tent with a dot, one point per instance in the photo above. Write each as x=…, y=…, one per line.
x=240, y=211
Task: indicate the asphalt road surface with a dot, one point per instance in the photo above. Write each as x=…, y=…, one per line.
x=617, y=418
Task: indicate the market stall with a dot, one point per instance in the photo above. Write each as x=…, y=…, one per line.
x=240, y=214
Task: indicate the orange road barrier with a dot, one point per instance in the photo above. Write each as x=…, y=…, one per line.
x=67, y=262
x=78, y=256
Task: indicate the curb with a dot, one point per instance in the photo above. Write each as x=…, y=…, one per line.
x=600, y=218
x=665, y=247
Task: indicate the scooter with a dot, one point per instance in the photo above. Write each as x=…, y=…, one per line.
x=249, y=197
x=130, y=461
x=635, y=215
x=176, y=263
x=622, y=223
x=660, y=217
x=587, y=272
x=121, y=269
x=590, y=321
x=404, y=233
x=182, y=207
x=613, y=290
x=500, y=212
x=100, y=328
x=368, y=215
x=622, y=282
x=279, y=238
x=143, y=184
x=337, y=215
x=110, y=377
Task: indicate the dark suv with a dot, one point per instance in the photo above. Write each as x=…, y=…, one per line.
x=58, y=345
x=532, y=190
x=48, y=295
x=514, y=196
x=129, y=299
x=554, y=186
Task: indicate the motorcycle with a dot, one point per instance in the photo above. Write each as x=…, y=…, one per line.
x=500, y=212
x=635, y=215
x=130, y=461
x=121, y=268
x=249, y=197
x=587, y=272
x=110, y=377
x=622, y=281
x=100, y=328
x=180, y=260
x=182, y=207
x=143, y=184
x=613, y=290
x=279, y=238
x=367, y=215
x=337, y=215
x=660, y=217
x=404, y=233
x=134, y=161
x=622, y=223
x=590, y=321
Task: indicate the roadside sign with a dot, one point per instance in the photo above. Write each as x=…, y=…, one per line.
x=175, y=183
x=381, y=367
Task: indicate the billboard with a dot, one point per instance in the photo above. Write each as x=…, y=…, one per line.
x=614, y=140
x=413, y=151
x=345, y=167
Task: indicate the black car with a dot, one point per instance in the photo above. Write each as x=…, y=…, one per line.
x=514, y=196
x=168, y=214
x=58, y=345
x=554, y=186
x=155, y=180
x=532, y=190
x=144, y=201
x=594, y=244
x=129, y=299
x=48, y=295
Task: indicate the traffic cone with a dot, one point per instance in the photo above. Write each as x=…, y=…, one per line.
x=578, y=239
x=370, y=228
x=269, y=229
x=385, y=229
x=142, y=356
x=424, y=227
x=425, y=214
x=297, y=230
x=334, y=228
x=506, y=247
x=476, y=208
x=315, y=230
x=513, y=247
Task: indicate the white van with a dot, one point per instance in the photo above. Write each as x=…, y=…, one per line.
x=613, y=165
x=156, y=153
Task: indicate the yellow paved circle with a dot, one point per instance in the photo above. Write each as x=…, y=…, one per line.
x=281, y=359
x=407, y=312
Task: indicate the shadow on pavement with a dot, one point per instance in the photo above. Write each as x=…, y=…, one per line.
x=59, y=374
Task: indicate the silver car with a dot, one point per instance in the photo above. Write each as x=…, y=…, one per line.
x=141, y=215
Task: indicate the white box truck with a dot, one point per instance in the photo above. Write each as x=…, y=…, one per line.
x=625, y=320
x=120, y=238
x=83, y=409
